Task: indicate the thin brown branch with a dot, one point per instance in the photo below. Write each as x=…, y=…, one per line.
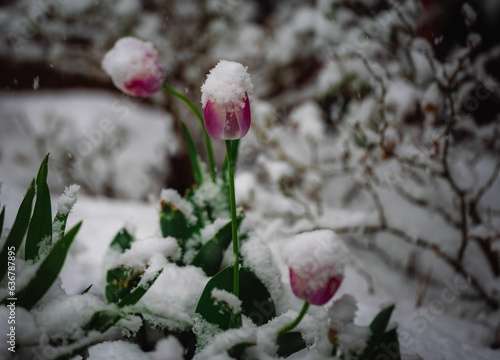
x=422, y=288
x=485, y=244
x=447, y=175
x=378, y=205
x=427, y=205
x=476, y=217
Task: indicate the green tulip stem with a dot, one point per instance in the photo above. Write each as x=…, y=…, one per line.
x=234, y=220
x=296, y=322
x=197, y=113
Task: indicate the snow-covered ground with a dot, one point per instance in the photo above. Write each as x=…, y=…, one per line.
x=443, y=328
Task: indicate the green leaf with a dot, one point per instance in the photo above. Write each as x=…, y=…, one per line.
x=40, y=228
x=120, y=281
x=193, y=155
x=18, y=230
x=2, y=216
x=237, y=351
x=256, y=300
x=48, y=271
x=135, y=295
x=173, y=222
x=289, y=343
x=209, y=257
x=388, y=346
x=59, y=223
x=102, y=320
x=378, y=327
x=122, y=241
x=198, y=211
x=87, y=289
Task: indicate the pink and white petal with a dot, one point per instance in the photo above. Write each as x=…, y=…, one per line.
x=244, y=117
x=215, y=118
x=324, y=294
x=142, y=86
x=232, y=128
x=298, y=285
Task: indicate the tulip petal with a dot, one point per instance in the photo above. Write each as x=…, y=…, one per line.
x=231, y=127
x=323, y=295
x=215, y=116
x=244, y=117
x=142, y=86
x=134, y=67
x=301, y=287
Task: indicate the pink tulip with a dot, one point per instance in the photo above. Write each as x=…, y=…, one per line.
x=225, y=100
x=315, y=291
x=134, y=67
x=316, y=261
x=224, y=123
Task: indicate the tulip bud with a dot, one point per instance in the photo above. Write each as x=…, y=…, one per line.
x=316, y=293
x=225, y=100
x=134, y=67
x=316, y=265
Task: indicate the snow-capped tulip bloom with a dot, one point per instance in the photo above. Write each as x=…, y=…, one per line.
x=305, y=287
x=134, y=67
x=225, y=100
x=316, y=263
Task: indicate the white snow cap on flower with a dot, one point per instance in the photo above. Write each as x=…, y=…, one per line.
x=134, y=67
x=317, y=256
x=228, y=83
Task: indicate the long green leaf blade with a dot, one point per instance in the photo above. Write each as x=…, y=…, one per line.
x=40, y=228
x=64, y=207
x=102, y=320
x=173, y=222
x=2, y=217
x=18, y=230
x=378, y=328
x=120, y=281
x=122, y=241
x=289, y=343
x=135, y=295
x=209, y=257
x=48, y=271
x=87, y=289
x=388, y=346
x=193, y=155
